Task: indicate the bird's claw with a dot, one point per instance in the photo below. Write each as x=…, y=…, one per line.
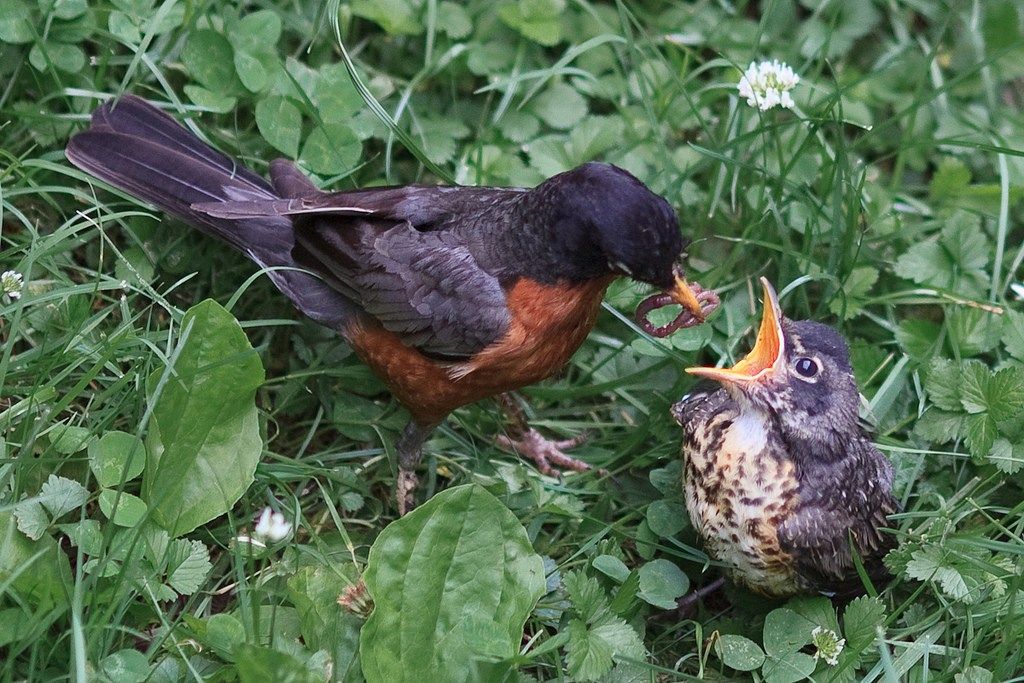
x=548, y=455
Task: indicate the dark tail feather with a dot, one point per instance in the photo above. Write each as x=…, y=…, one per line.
x=139, y=149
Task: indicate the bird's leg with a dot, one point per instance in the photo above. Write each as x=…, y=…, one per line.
x=548, y=455
x=688, y=602
x=410, y=451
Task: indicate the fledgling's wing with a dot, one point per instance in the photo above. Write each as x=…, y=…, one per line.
x=853, y=504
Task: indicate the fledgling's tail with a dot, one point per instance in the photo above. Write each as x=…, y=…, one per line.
x=137, y=148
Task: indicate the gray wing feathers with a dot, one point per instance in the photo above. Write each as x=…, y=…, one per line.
x=425, y=287
x=855, y=501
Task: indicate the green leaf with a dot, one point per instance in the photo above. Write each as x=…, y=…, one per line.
x=62, y=56
x=538, y=20
x=1004, y=395
x=256, y=32
x=336, y=97
x=460, y=559
x=208, y=56
x=817, y=610
x=789, y=668
x=224, y=632
x=438, y=137
x=12, y=625
x=16, y=22
x=666, y=518
x=954, y=260
x=314, y=591
x=855, y=290
x=69, y=439
x=280, y=124
x=188, y=565
x=260, y=664
x=938, y=426
x=250, y=71
x=942, y=382
x=612, y=567
x=124, y=27
x=785, y=631
x=926, y=263
x=739, y=653
x=861, y=620
x=662, y=583
x=589, y=658
x=204, y=440
x=36, y=571
x=69, y=9
x=331, y=148
x=591, y=650
x=950, y=179
x=123, y=509
x=973, y=331
x=1013, y=334
x=85, y=534
x=586, y=596
x=116, y=457
x=32, y=519
x=207, y=99
x=518, y=126
x=125, y=666
x=1007, y=457
x=668, y=479
x=559, y=106
x=396, y=17
x=980, y=434
x=973, y=674
x=453, y=19
x=919, y=338
x=60, y=496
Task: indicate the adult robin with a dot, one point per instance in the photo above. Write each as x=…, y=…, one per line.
x=781, y=481
x=450, y=294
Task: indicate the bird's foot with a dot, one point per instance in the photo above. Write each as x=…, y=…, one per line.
x=405, y=491
x=548, y=455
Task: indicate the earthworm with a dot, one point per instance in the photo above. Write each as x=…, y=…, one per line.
x=708, y=299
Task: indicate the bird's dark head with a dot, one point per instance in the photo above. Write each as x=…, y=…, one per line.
x=627, y=229
x=799, y=371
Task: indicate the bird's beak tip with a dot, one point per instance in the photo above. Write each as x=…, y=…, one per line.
x=768, y=349
x=682, y=293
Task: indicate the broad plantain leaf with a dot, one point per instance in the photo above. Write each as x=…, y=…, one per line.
x=204, y=440
x=452, y=585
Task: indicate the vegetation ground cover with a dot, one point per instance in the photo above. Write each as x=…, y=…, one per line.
x=156, y=393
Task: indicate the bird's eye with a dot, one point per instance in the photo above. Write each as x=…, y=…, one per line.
x=806, y=367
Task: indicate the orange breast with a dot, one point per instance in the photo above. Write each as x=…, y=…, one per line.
x=549, y=322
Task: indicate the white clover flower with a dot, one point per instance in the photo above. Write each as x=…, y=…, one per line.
x=768, y=84
x=828, y=645
x=271, y=527
x=11, y=283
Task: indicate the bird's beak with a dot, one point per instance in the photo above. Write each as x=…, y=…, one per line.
x=682, y=294
x=768, y=351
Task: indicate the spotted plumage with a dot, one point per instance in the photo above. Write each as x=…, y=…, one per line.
x=779, y=477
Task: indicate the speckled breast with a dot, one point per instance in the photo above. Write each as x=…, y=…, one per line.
x=737, y=494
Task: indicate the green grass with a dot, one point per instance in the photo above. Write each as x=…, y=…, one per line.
x=887, y=203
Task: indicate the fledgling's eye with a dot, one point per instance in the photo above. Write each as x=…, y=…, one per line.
x=806, y=367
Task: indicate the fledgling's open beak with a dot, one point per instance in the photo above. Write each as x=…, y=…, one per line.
x=682, y=294
x=767, y=354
